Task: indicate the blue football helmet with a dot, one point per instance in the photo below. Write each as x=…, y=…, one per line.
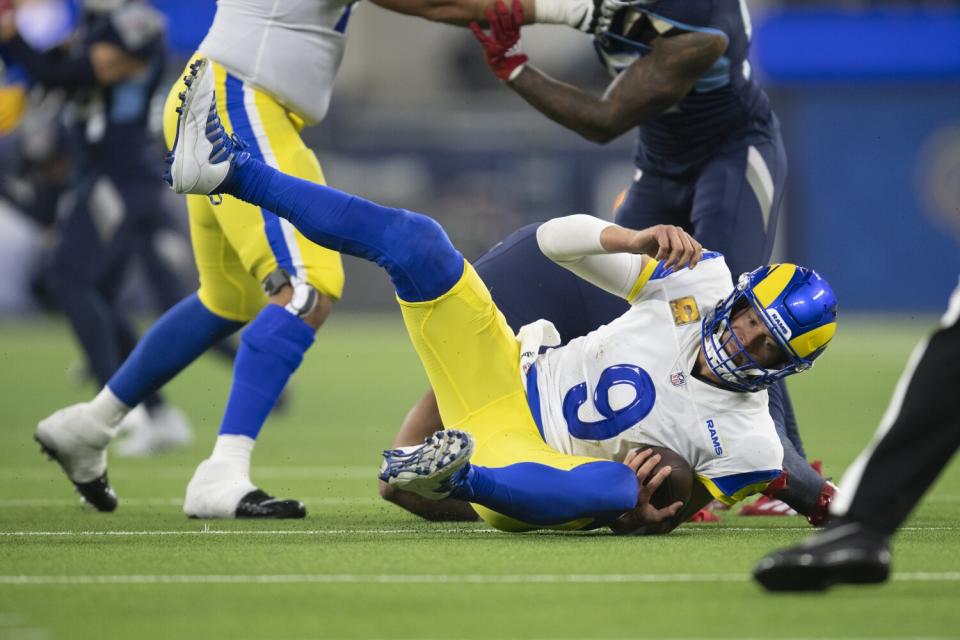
x=797, y=306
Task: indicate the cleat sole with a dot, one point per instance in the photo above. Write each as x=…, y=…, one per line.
x=260, y=505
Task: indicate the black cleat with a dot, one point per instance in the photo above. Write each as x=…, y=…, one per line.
x=98, y=493
x=843, y=553
x=259, y=504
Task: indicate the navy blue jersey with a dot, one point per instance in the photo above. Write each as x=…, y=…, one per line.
x=726, y=103
x=113, y=119
x=527, y=286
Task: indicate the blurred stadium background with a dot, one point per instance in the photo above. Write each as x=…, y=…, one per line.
x=867, y=93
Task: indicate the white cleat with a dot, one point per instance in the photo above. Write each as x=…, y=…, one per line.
x=215, y=489
x=165, y=430
x=222, y=489
x=203, y=155
x=431, y=469
x=78, y=442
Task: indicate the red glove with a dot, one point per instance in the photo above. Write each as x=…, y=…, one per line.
x=821, y=511
x=502, y=46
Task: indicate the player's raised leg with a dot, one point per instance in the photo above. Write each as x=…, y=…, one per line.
x=289, y=288
x=413, y=248
x=522, y=496
x=427, y=271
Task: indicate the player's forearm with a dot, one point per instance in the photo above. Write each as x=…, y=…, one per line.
x=599, y=120
x=643, y=91
x=455, y=12
x=575, y=109
x=578, y=14
x=574, y=242
x=580, y=235
x=572, y=237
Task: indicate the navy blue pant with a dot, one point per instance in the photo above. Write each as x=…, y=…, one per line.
x=526, y=286
x=112, y=222
x=729, y=205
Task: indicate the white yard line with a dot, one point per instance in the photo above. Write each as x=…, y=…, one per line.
x=42, y=471
x=239, y=532
x=208, y=531
x=177, y=501
x=387, y=578
x=316, y=500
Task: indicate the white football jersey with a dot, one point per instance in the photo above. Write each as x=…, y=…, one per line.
x=629, y=383
x=291, y=49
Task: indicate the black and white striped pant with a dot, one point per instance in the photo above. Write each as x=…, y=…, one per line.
x=918, y=435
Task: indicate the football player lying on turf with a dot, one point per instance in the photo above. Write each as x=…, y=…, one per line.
x=495, y=455
x=548, y=291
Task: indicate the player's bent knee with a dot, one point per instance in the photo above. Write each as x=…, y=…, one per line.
x=425, y=264
x=298, y=297
x=276, y=330
x=320, y=312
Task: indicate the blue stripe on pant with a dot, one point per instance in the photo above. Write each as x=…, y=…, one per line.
x=413, y=249
x=237, y=110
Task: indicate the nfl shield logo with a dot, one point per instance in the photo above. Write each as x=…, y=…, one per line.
x=677, y=379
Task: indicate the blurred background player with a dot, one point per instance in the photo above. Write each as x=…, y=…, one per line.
x=773, y=324
x=709, y=155
x=100, y=81
x=255, y=269
x=916, y=439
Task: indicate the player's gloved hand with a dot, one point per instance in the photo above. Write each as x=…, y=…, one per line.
x=605, y=13
x=821, y=511
x=645, y=518
x=502, y=46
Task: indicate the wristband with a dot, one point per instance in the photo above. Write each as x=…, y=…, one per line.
x=575, y=13
x=516, y=71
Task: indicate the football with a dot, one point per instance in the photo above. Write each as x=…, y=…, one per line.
x=678, y=485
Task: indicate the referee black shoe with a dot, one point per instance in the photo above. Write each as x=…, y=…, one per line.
x=843, y=553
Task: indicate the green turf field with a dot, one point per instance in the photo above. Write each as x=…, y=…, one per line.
x=358, y=569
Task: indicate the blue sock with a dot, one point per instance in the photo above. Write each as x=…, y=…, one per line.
x=178, y=338
x=414, y=249
x=271, y=349
x=538, y=494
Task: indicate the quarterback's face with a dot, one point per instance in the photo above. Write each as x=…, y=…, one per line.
x=756, y=338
